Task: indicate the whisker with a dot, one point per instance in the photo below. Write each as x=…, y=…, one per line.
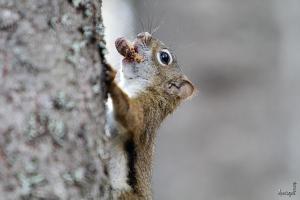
x=157, y=27
x=151, y=22
x=148, y=21
x=141, y=24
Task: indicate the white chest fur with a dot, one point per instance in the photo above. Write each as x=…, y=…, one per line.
x=132, y=87
x=117, y=165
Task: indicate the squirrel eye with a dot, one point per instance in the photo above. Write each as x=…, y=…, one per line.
x=164, y=57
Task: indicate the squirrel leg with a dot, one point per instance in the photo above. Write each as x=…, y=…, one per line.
x=120, y=99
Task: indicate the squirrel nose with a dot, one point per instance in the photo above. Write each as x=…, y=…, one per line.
x=144, y=35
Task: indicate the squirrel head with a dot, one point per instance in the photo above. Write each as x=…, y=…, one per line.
x=149, y=63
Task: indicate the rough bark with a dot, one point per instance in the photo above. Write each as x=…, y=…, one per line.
x=51, y=108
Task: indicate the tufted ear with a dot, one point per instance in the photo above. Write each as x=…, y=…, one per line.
x=182, y=88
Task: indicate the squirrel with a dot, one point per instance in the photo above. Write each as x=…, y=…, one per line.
x=151, y=86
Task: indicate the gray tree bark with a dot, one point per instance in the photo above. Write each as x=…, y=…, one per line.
x=51, y=105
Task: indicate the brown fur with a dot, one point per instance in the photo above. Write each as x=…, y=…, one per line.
x=141, y=117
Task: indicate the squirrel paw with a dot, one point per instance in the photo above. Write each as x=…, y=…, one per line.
x=110, y=75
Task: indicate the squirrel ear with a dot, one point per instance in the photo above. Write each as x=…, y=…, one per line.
x=182, y=88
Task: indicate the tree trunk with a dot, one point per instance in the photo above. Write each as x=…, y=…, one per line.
x=51, y=104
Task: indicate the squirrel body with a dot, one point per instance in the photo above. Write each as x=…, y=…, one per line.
x=151, y=86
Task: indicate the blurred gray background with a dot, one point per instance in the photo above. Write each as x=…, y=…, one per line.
x=239, y=137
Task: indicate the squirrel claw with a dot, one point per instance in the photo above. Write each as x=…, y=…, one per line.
x=110, y=75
